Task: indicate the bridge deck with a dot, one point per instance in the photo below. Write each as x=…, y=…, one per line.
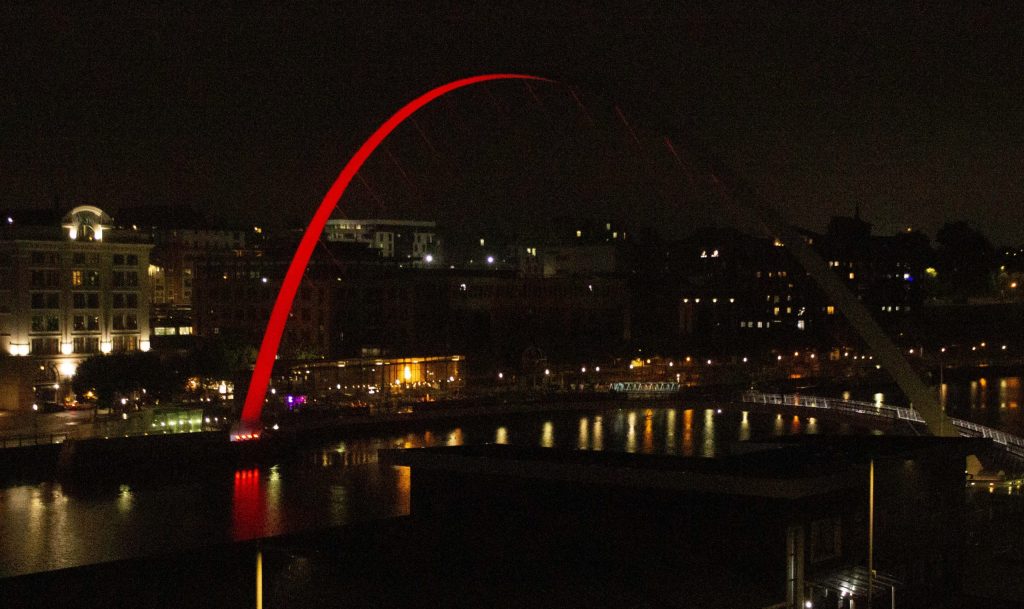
x=1012, y=444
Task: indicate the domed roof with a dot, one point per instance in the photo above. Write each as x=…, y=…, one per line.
x=86, y=223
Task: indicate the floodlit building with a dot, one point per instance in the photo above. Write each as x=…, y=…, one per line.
x=395, y=239
x=68, y=292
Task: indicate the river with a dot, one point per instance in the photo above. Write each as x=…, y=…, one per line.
x=50, y=525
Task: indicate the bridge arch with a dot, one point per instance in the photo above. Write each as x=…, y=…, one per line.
x=248, y=427
x=767, y=218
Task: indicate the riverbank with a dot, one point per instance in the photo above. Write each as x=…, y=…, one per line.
x=182, y=454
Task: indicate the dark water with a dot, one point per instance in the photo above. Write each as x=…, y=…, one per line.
x=50, y=525
x=995, y=401
x=989, y=400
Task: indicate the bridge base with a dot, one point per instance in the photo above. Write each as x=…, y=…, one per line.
x=244, y=431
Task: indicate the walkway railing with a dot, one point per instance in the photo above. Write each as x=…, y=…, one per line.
x=645, y=387
x=42, y=439
x=876, y=409
x=1010, y=442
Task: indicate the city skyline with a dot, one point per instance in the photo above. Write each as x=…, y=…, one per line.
x=873, y=106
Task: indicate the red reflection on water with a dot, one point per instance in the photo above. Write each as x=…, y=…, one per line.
x=248, y=508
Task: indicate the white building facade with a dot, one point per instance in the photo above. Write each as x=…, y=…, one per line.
x=68, y=293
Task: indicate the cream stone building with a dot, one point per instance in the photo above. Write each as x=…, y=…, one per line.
x=67, y=292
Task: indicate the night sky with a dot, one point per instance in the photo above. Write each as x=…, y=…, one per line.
x=915, y=113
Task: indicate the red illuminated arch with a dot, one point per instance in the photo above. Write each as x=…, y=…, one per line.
x=249, y=425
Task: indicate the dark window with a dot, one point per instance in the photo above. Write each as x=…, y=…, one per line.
x=46, y=300
x=45, y=279
x=45, y=346
x=87, y=344
x=82, y=323
x=125, y=343
x=86, y=300
x=126, y=279
x=126, y=300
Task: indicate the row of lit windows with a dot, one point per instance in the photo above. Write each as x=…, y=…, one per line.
x=83, y=344
x=81, y=259
x=800, y=324
x=83, y=300
x=894, y=308
x=172, y=331
x=84, y=323
x=713, y=300
x=82, y=279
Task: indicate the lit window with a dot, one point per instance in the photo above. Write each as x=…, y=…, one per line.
x=830, y=310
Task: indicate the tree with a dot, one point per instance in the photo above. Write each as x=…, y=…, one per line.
x=112, y=377
x=222, y=356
